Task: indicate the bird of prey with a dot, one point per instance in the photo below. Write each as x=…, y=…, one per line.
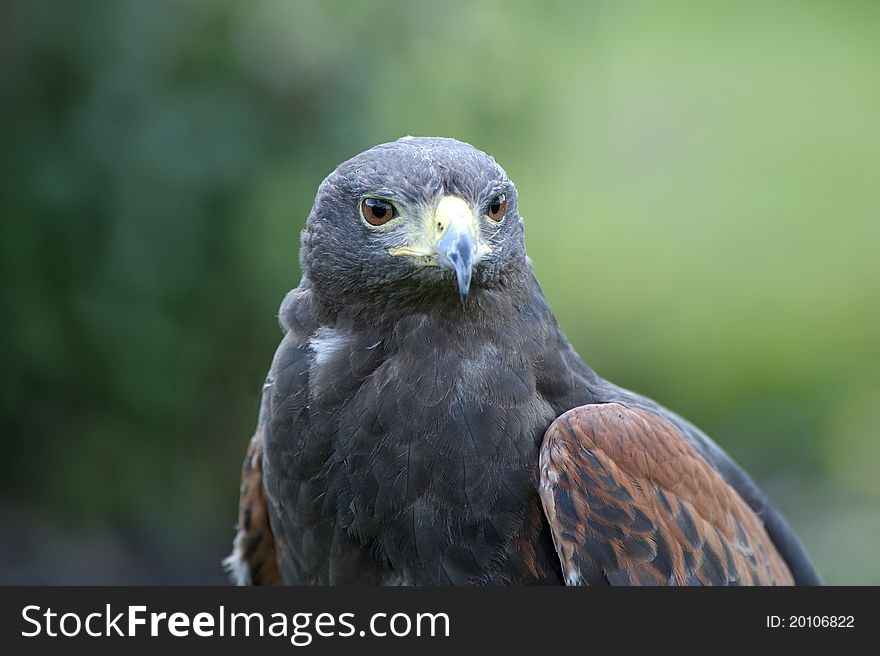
x=426, y=422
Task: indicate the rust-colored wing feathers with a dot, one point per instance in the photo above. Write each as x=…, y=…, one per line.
x=253, y=559
x=630, y=502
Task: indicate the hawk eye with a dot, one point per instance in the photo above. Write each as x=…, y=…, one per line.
x=497, y=207
x=377, y=212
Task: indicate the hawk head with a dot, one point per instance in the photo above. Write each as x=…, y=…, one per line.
x=416, y=220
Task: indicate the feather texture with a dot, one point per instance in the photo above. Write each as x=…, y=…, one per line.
x=403, y=433
x=630, y=502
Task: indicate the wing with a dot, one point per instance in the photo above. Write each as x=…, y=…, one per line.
x=256, y=554
x=630, y=502
x=253, y=560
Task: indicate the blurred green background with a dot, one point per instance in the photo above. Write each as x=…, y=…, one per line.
x=701, y=188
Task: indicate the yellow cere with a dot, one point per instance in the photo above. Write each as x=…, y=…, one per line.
x=450, y=210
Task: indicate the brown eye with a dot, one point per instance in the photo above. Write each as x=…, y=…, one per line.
x=377, y=212
x=497, y=207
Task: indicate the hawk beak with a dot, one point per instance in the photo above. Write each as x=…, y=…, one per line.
x=450, y=238
x=457, y=244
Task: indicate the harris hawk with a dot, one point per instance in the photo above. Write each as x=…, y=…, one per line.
x=426, y=422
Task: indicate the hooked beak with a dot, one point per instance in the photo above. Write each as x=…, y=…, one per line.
x=456, y=247
x=449, y=239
